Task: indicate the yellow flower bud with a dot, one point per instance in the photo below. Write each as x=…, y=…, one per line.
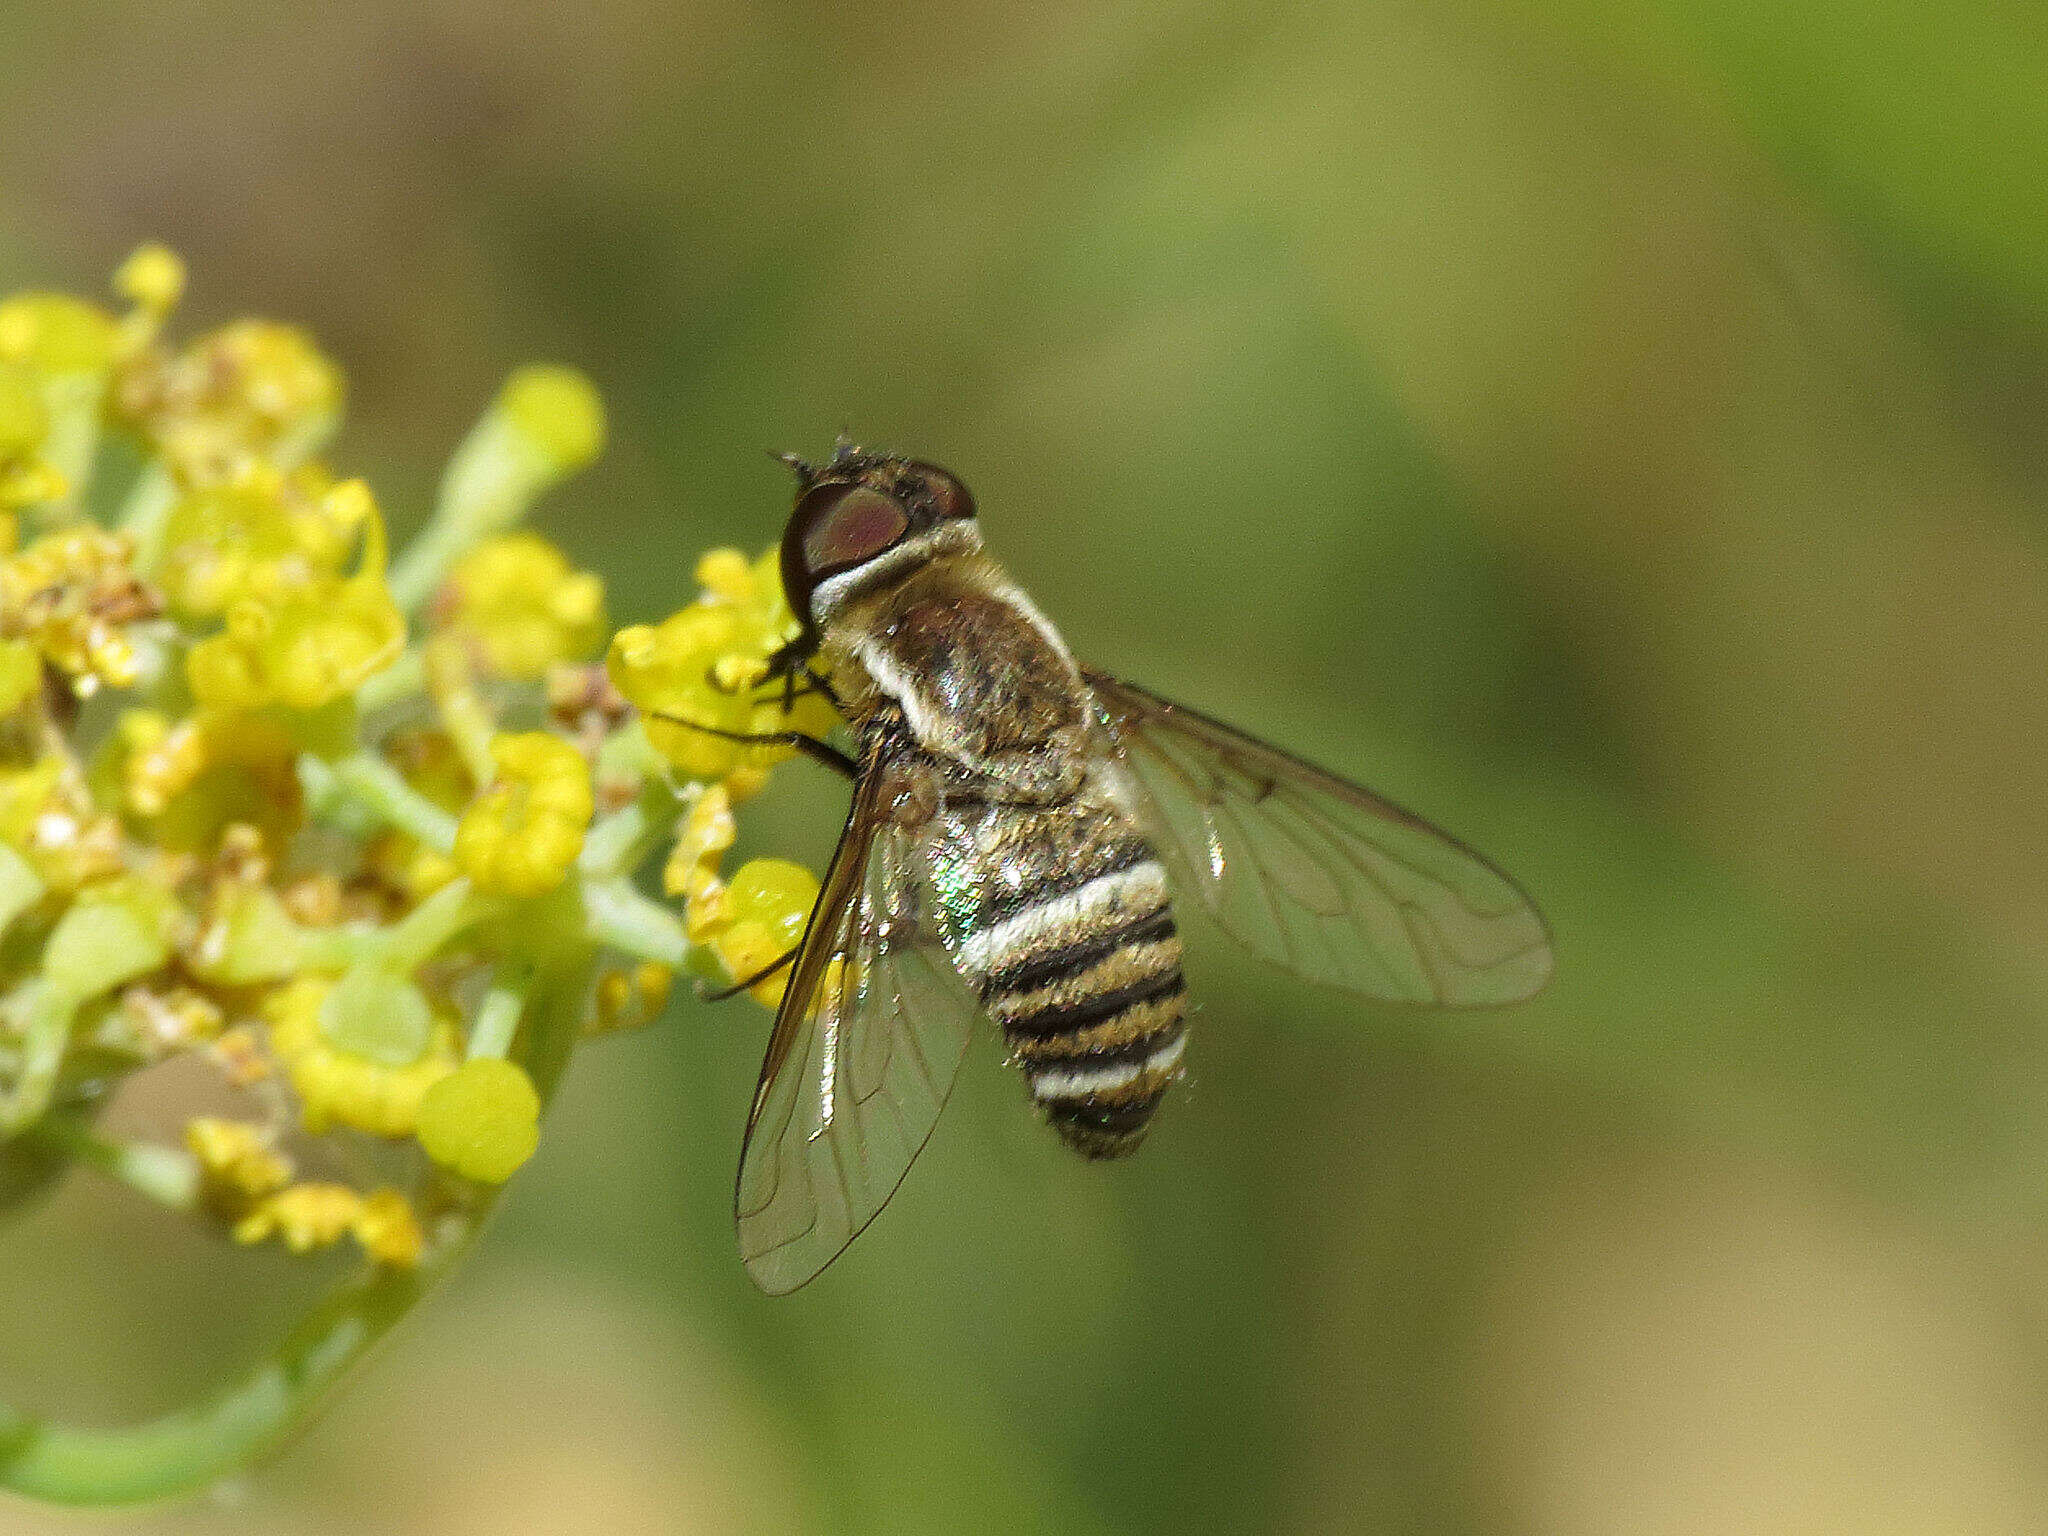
x=152, y=278
x=521, y=836
x=482, y=1120
x=557, y=410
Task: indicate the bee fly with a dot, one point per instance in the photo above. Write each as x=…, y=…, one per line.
x=1019, y=828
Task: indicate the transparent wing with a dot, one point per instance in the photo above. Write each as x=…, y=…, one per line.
x=1326, y=878
x=865, y=1049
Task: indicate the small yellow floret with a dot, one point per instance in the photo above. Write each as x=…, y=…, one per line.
x=303, y=644
x=482, y=1120
x=761, y=919
x=236, y=1160
x=521, y=836
x=631, y=999
x=706, y=833
x=258, y=535
x=338, y=1086
x=252, y=389
x=54, y=333
x=46, y=816
x=388, y=1230
x=309, y=1216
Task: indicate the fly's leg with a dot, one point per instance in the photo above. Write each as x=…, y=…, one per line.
x=817, y=751
x=761, y=975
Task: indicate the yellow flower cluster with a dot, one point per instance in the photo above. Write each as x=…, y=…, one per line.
x=306, y=642
x=250, y=390
x=703, y=668
x=360, y=831
x=73, y=595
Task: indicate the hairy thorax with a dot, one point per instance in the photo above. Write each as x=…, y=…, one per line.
x=982, y=681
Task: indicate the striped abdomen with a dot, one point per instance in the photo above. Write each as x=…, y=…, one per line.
x=1077, y=958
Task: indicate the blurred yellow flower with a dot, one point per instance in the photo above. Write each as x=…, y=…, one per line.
x=74, y=595
x=520, y=603
x=258, y=534
x=309, y=1216
x=251, y=389
x=25, y=477
x=54, y=333
x=237, y=1164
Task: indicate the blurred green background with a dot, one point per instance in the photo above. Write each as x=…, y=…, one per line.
x=1613, y=427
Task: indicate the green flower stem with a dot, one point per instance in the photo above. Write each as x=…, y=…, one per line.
x=420, y=934
x=546, y=423
x=166, y=1175
x=403, y=679
x=618, y=916
x=368, y=783
x=147, y=511
x=618, y=843
x=497, y=1016
x=470, y=727
x=194, y=1446
x=50, y=1012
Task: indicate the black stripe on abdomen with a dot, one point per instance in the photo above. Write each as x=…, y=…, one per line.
x=1096, y=1024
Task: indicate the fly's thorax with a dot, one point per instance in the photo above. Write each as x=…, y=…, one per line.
x=983, y=682
x=1059, y=916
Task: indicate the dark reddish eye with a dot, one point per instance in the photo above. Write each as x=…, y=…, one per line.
x=851, y=525
x=949, y=498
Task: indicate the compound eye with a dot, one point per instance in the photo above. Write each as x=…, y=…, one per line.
x=948, y=496
x=849, y=526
